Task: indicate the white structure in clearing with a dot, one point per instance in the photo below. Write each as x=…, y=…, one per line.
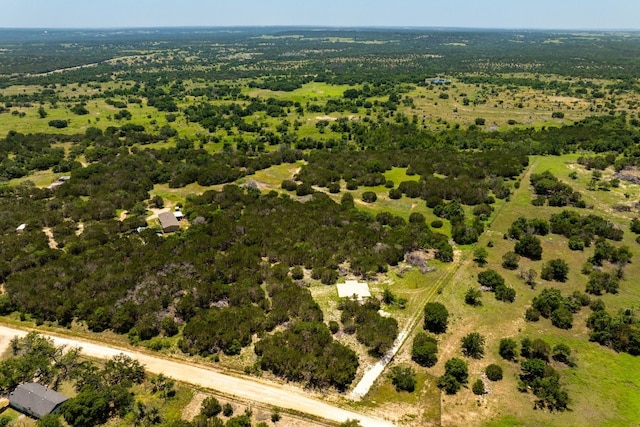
x=352, y=287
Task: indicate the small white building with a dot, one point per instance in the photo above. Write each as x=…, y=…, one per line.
x=21, y=228
x=353, y=289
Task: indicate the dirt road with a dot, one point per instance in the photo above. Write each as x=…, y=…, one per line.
x=253, y=390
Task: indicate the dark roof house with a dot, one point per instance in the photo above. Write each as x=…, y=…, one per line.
x=168, y=222
x=36, y=400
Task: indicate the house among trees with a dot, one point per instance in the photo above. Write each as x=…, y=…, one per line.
x=59, y=182
x=354, y=289
x=36, y=400
x=168, y=222
x=438, y=81
x=21, y=228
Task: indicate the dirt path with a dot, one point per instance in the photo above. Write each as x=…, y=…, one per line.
x=49, y=233
x=372, y=374
x=246, y=389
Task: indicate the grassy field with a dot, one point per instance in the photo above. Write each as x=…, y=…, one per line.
x=435, y=107
x=604, y=386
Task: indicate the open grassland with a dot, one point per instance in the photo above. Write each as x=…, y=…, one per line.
x=434, y=107
x=604, y=386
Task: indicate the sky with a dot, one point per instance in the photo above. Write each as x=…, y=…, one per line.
x=520, y=14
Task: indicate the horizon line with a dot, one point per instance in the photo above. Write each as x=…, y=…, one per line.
x=308, y=26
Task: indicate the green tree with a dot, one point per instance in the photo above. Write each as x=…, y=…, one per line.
x=436, y=317
x=510, y=260
x=275, y=415
x=449, y=384
x=210, y=407
x=163, y=385
x=555, y=269
x=480, y=255
x=49, y=420
x=507, y=349
x=473, y=345
x=540, y=349
x=369, y=196
x=529, y=246
x=490, y=279
x=425, y=349
x=403, y=378
x=562, y=353
x=89, y=408
x=458, y=369
x=473, y=297
x=227, y=410
x=562, y=318
x=456, y=374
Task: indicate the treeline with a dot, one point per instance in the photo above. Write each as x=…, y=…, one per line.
x=465, y=176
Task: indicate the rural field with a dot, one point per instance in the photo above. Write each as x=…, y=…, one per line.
x=483, y=186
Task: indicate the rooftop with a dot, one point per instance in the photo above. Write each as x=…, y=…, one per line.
x=35, y=399
x=352, y=287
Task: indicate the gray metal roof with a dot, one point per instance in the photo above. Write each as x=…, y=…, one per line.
x=35, y=399
x=168, y=219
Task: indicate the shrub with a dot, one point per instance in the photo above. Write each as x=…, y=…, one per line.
x=297, y=273
x=288, y=185
x=58, y=124
x=456, y=374
x=352, y=185
x=576, y=243
x=510, y=260
x=507, y=349
x=540, y=349
x=532, y=315
x=395, y=194
x=436, y=223
x=494, y=372
x=210, y=407
x=334, y=187
x=334, y=326
x=562, y=354
x=505, y=293
x=562, y=318
x=556, y=269
x=478, y=387
x=416, y=218
x=403, y=378
x=369, y=196
x=227, y=410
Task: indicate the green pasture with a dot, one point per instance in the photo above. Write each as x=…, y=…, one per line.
x=604, y=385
